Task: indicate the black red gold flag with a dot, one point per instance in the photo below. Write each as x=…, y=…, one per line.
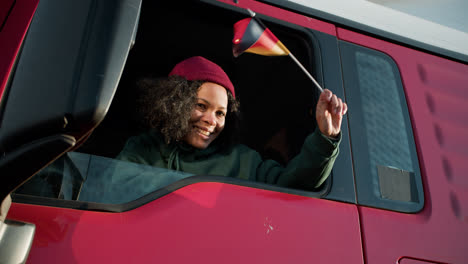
x=251, y=36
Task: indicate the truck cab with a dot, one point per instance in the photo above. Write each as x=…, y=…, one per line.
x=69, y=103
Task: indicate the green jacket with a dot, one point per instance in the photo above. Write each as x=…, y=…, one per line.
x=309, y=169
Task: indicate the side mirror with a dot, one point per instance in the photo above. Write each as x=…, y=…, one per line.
x=15, y=237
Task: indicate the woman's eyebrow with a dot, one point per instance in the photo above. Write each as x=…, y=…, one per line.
x=208, y=102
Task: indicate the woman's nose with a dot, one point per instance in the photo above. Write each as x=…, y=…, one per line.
x=209, y=118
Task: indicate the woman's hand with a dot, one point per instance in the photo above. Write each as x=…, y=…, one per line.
x=329, y=113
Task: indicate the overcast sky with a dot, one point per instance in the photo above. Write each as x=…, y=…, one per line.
x=441, y=23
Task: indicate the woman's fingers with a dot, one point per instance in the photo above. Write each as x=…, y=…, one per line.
x=324, y=101
x=339, y=109
x=334, y=105
x=337, y=106
x=329, y=112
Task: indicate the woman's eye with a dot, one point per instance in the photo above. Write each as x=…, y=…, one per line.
x=220, y=114
x=201, y=106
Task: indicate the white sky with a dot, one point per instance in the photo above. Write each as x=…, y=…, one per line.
x=441, y=23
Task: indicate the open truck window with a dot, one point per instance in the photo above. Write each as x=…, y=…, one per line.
x=275, y=96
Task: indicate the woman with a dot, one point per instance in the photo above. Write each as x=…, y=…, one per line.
x=193, y=115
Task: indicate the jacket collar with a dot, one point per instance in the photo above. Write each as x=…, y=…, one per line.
x=178, y=151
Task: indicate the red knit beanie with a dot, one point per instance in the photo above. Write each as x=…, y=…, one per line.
x=200, y=69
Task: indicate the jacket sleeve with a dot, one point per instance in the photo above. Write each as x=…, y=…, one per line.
x=308, y=170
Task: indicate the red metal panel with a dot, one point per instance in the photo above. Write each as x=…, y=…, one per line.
x=437, y=94
x=203, y=223
x=5, y=6
x=12, y=36
x=284, y=15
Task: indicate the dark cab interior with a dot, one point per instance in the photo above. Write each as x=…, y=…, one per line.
x=275, y=96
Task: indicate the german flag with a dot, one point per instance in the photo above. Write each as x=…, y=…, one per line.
x=252, y=36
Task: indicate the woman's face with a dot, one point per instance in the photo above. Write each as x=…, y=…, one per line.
x=208, y=116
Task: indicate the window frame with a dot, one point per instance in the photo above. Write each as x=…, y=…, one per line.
x=363, y=184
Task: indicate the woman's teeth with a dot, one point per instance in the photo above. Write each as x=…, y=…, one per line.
x=203, y=132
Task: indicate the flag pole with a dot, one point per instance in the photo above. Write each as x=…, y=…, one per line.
x=306, y=72
x=252, y=14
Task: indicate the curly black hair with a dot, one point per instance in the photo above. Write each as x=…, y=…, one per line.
x=166, y=105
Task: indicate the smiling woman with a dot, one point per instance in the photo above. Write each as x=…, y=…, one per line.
x=208, y=116
x=177, y=105
x=199, y=147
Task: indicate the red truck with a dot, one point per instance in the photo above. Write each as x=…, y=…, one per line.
x=397, y=193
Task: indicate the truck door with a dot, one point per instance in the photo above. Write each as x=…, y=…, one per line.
x=198, y=218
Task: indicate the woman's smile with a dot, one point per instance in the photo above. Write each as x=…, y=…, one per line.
x=208, y=116
x=203, y=132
